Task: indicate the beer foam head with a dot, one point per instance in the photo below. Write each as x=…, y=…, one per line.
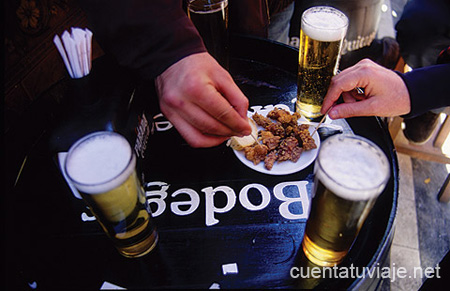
x=352, y=167
x=324, y=23
x=100, y=162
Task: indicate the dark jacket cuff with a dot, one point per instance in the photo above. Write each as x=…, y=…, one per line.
x=429, y=88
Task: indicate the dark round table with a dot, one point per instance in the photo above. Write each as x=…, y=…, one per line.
x=220, y=223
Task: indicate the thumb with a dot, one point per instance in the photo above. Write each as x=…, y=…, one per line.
x=345, y=110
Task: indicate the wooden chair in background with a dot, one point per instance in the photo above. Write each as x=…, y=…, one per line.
x=432, y=150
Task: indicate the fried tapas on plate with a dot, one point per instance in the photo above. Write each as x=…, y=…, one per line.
x=279, y=143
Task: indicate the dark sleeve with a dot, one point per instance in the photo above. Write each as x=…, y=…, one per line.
x=429, y=88
x=144, y=35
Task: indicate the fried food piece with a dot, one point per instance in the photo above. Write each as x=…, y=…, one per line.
x=308, y=142
x=289, y=130
x=296, y=153
x=261, y=120
x=277, y=113
x=277, y=129
x=289, y=143
x=270, y=159
x=289, y=150
x=284, y=117
x=297, y=116
x=269, y=139
x=256, y=153
x=301, y=133
x=303, y=127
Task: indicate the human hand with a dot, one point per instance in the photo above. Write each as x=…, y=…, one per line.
x=385, y=93
x=202, y=101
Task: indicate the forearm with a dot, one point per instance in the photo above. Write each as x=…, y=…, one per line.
x=146, y=36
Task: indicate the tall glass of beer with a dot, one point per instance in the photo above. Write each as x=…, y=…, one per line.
x=210, y=17
x=322, y=32
x=102, y=165
x=350, y=173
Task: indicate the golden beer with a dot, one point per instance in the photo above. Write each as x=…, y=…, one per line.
x=322, y=32
x=350, y=173
x=102, y=167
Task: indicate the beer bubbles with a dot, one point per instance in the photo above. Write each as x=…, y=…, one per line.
x=350, y=173
x=322, y=32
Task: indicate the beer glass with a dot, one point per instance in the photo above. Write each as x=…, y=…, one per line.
x=322, y=32
x=210, y=17
x=350, y=173
x=101, y=166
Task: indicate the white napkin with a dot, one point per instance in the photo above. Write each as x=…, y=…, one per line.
x=76, y=51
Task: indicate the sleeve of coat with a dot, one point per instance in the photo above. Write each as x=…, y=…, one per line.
x=429, y=88
x=146, y=36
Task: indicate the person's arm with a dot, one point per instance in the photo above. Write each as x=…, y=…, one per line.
x=146, y=36
x=429, y=88
x=157, y=39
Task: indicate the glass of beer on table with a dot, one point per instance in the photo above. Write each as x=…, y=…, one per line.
x=102, y=166
x=350, y=173
x=210, y=17
x=322, y=32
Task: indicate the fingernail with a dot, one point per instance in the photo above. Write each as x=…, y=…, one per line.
x=333, y=114
x=246, y=132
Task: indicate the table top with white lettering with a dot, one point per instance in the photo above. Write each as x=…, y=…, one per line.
x=220, y=223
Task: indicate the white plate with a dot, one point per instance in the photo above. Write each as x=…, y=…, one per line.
x=285, y=167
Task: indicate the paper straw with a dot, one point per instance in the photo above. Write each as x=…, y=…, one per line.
x=88, y=36
x=62, y=52
x=76, y=51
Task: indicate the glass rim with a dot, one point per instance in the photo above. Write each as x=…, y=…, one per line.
x=205, y=6
x=90, y=136
x=328, y=8
x=373, y=146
